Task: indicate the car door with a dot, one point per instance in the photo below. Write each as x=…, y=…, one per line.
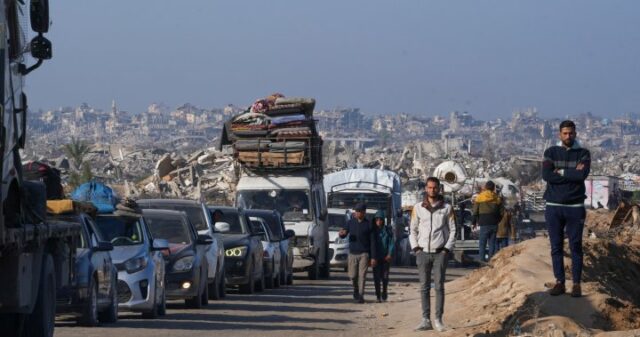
x=256, y=246
x=101, y=261
x=155, y=255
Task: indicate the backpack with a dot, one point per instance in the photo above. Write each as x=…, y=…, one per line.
x=99, y=194
x=50, y=176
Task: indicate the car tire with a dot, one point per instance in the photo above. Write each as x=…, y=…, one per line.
x=89, y=316
x=346, y=269
x=290, y=279
x=269, y=280
x=110, y=315
x=214, y=288
x=204, y=296
x=222, y=284
x=162, y=307
x=250, y=286
x=276, y=281
x=195, y=302
x=260, y=283
x=42, y=320
x=283, y=274
x=314, y=271
x=325, y=268
x=153, y=312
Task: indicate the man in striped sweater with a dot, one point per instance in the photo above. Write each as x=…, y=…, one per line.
x=565, y=168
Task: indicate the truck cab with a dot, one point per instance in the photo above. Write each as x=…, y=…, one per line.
x=301, y=202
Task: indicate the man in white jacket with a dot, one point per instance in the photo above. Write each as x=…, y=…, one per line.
x=432, y=236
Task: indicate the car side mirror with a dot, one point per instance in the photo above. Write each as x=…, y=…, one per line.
x=160, y=244
x=39, y=14
x=204, y=239
x=289, y=233
x=222, y=227
x=103, y=246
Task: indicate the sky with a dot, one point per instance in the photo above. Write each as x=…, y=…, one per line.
x=415, y=56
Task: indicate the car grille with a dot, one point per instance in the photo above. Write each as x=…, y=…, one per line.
x=124, y=293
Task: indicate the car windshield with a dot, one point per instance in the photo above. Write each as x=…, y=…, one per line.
x=292, y=204
x=350, y=199
x=194, y=213
x=259, y=228
x=171, y=228
x=337, y=221
x=121, y=230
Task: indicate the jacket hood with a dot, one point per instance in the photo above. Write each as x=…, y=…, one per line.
x=488, y=196
x=439, y=203
x=379, y=214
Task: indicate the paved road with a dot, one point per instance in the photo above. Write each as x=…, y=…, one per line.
x=308, y=308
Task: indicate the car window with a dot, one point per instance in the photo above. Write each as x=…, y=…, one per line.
x=121, y=230
x=172, y=229
x=233, y=219
x=194, y=213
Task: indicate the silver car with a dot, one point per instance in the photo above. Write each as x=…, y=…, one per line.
x=271, y=252
x=139, y=261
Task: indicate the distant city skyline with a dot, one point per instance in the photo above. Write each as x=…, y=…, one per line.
x=419, y=57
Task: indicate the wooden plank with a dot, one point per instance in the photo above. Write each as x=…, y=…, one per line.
x=271, y=158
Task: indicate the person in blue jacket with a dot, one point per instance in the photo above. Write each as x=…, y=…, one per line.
x=384, y=243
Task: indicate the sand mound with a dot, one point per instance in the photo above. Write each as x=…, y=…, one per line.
x=508, y=297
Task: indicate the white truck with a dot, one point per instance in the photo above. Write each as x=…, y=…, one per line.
x=36, y=256
x=378, y=189
x=280, y=168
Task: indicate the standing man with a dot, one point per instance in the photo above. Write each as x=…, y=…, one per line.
x=361, y=249
x=565, y=168
x=506, y=230
x=487, y=212
x=385, y=245
x=432, y=236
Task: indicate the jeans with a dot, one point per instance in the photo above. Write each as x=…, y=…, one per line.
x=428, y=263
x=487, y=234
x=358, y=265
x=571, y=219
x=501, y=243
x=381, y=276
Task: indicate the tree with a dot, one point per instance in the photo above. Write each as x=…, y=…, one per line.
x=76, y=151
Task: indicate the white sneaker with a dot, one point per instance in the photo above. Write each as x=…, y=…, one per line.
x=437, y=323
x=424, y=325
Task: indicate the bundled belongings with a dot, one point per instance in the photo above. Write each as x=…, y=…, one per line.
x=101, y=195
x=50, y=176
x=68, y=206
x=276, y=132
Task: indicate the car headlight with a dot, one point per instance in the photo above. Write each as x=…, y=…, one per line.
x=184, y=264
x=236, y=252
x=136, y=264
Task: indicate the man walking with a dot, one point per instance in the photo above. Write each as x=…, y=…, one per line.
x=565, y=168
x=432, y=236
x=361, y=249
x=487, y=212
x=384, y=243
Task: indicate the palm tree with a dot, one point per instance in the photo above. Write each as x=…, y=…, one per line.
x=76, y=151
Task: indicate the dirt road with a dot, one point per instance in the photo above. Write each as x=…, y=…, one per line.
x=308, y=308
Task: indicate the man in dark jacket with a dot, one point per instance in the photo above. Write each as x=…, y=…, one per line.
x=488, y=210
x=361, y=249
x=384, y=243
x=565, y=168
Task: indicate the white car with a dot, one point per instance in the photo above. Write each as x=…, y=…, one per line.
x=272, y=254
x=338, y=247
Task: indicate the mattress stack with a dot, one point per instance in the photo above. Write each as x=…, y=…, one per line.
x=275, y=132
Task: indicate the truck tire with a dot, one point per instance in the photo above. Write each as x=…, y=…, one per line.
x=110, y=314
x=89, y=316
x=314, y=271
x=41, y=321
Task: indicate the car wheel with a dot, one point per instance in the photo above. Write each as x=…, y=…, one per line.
x=214, y=288
x=153, y=312
x=260, y=283
x=162, y=307
x=204, y=297
x=222, y=284
x=110, y=315
x=276, y=281
x=313, y=271
x=283, y=275
x=41, y=321
x=269, y=280
x=290, y=279
x=195, y=302
x=250, y=286
x=89, y=315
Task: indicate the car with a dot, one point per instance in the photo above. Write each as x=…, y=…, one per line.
x=273, y=219
x=337, y=218
x=272, y=256
x=92, y=294
x=185, y=261
x=243, y=250
x=139, y=262
x=199, y=216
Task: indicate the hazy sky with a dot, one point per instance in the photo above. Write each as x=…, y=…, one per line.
x=416, y=56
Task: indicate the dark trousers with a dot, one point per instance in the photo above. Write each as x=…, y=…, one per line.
x=501, y=243
x=487, y=235
x=570, y=219
x=381, y=276
x=428, y=263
